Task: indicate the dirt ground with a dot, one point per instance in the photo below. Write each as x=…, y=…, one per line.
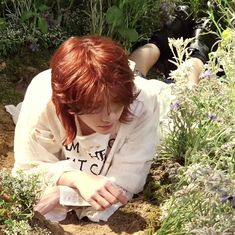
x=6, y=139
x=137, y=217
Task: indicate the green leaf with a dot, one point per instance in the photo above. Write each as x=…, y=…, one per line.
x=43, y=25
x=2, y=23
x=43, y=8
x=3, y=212
x=9, y=222
x=114, y=16
x=129, y=34
x=59, y=19
x=27, y=15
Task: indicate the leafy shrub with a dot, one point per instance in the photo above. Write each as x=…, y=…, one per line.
x=202, y=138
x=203, y=203
x=156, y=15
x=76, y=22
x=12, y=38
x=18, y=196
x=203, y=117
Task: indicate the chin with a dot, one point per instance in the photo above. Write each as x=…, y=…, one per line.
x=104, y=132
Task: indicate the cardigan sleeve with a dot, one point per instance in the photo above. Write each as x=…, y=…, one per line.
x=131, y=163
x=36, y=147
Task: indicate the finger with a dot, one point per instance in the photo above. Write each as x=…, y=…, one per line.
x=41, y=208
x=108, y=196
x=96, y=205
x=117, y=192
x=102, y=201
x=44, y=206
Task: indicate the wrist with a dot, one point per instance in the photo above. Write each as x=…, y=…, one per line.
x=70, y=178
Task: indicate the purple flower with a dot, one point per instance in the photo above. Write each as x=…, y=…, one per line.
x=211, y=117
x=226, y=145
x=34, y=47
x=52, y=24
x=207, y=74
x=229, y=198
x=175, y=105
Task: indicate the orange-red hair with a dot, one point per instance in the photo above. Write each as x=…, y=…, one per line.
x=88, y=72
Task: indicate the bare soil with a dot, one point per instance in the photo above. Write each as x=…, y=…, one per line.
x=6, y=139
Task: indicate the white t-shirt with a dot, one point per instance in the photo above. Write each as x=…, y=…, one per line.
x=88, y=153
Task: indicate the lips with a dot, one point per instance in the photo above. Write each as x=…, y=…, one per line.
x=106, y=126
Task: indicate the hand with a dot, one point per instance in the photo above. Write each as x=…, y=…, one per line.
x=100, y=192
x=49, y=200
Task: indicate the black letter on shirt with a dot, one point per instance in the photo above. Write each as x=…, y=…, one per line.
x=72, y=146
x=82, y=161
x=92, y=166
x=98, y=154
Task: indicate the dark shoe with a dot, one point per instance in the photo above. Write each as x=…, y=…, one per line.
x=180, y=25
x=205, y=39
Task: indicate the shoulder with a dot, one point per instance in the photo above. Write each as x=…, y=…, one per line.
x=40, y=82
x=39, y=90
x=151, y=86
x=151, y=92
x=36, y=99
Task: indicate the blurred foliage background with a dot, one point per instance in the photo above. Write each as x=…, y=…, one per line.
x=42, y=24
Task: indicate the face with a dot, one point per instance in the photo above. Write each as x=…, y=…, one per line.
x=102, y=121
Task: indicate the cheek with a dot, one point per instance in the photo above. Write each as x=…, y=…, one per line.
x=92, y=119
x=87, y=119
x=119, y=114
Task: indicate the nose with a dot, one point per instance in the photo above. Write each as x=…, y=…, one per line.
x=109, y=116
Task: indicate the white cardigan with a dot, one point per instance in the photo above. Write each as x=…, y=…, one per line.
x=130, y=157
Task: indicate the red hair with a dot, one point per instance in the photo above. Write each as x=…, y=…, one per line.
x=88, y=72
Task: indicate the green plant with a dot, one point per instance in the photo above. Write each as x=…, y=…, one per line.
x=201, y=137
x=97, y=16
x=120, y=19
x=77, y=21
x=62, y=7
x=226, y=55
x=200, y=119
x=12, y=38
x=200, y=116
x=51, y=39
x=22, y=227
x=157, y=14
x=2, y=23
x=222, y=14
x=35, y=17
x=203, y=203
x=197, y=6
x=15, y=8
x=18, y=195
x=30, y=23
